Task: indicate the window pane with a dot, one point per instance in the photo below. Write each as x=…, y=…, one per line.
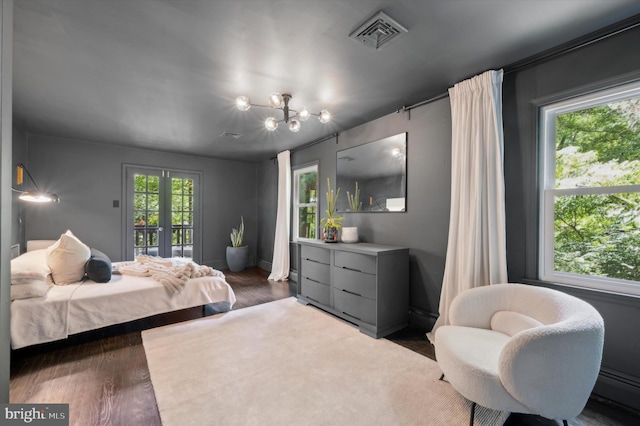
x=307, y=188
x=598, y=235
x=307, y=222
x=599, y=146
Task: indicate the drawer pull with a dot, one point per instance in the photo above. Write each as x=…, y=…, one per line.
x=315, y=281
x=350, y=292
x=351, y=269
x=351, y=316
x=314, y=261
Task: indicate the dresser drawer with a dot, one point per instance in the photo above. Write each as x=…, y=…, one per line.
x=355, y=261
x=355, y=282
x=354, y=306
x=316, y=271
x=316, y=254
x=315, y=291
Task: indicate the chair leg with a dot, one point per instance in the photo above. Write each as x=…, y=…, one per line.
x=473, y=413
x=565, y=423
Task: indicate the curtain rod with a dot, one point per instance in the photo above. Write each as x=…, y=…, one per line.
x=579, y=43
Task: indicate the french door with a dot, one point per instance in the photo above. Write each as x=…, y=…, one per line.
x=162, y=214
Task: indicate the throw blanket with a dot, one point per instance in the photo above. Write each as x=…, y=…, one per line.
x=172, y=273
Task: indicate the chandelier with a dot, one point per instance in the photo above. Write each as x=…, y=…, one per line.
x=281, y=102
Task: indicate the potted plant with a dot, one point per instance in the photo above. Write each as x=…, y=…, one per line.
x=237, y=254
x=332, y=223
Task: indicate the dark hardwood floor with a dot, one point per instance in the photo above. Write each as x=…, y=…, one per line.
x=104, y=377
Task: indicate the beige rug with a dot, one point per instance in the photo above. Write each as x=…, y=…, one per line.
x=282, y=363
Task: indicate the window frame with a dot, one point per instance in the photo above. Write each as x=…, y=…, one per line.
x=548, y=192
x=296, y=205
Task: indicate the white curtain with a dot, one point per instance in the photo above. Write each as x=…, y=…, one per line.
x=280, y=263
x=476, y=251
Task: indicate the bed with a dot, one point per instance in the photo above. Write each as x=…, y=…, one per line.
x=84, y=305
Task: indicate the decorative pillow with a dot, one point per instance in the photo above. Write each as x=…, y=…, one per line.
x=98, y=267
x=30, y=266
x=36, y=288
x=511, y=323
x=67, y=258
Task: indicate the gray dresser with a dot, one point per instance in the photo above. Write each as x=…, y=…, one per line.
x=365, y=284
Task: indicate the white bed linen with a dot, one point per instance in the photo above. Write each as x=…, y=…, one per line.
x=75, y=308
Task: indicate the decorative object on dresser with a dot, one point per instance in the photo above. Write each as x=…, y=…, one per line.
x=237, y=254
x=332, y=223
x=350, y=234
x=365, y=284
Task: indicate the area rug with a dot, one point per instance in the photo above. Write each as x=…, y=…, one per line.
x=283, y=363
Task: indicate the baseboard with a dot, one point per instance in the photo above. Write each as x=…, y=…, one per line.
x=619, y=388
x=421, y=319
x=263, y=264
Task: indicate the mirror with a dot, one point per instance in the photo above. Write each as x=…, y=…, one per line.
x=373, y=177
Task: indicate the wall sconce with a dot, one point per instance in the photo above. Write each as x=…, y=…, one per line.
x=281, y=102
x=37, y=196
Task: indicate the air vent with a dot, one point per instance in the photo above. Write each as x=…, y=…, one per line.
x=227, y=133
x=378, y=31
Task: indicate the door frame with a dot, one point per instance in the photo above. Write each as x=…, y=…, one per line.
x=127, y=212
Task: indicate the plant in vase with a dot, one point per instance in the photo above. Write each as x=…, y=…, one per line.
x=237, y=254
x=354, y=200
x=331, y=223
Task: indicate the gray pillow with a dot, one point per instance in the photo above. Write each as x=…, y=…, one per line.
x=98, y=267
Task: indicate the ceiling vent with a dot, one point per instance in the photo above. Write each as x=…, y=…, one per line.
x=227, y=133
x=378, y=31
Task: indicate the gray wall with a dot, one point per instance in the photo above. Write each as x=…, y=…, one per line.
x=88, y=178
x=572, y=72
x=18, y=208
x=6, y=196
x=424, y=226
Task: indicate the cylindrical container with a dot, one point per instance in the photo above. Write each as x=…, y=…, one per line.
x=350, y=234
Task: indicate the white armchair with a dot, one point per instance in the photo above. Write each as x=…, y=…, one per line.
x=522, y=349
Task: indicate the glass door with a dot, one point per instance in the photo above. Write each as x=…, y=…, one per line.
x=162, y=213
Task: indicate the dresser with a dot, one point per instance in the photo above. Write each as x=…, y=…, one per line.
x=365, y=284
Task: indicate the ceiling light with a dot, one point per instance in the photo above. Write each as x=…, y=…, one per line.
x=243, y=103
x=271, y=124
x=275, y=100
x=304, y=114
x=324, y=116
x=294, y=126
x=281, y=102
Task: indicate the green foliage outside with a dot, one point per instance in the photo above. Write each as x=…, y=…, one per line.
x=147, y=210
x=598, y=234
x=308, y=184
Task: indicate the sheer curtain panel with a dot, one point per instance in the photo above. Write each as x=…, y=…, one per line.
x=476, y=250
x=280, y=263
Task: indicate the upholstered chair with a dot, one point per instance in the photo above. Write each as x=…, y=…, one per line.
x=522, y=349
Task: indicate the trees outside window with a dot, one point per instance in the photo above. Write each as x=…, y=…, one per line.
x=305, y=202
x=590, y=192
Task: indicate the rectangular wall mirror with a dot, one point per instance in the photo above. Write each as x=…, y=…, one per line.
x=372, y=177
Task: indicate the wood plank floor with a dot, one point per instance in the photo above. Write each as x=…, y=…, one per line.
x=104, y=377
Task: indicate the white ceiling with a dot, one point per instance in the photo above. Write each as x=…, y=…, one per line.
x=163, y=74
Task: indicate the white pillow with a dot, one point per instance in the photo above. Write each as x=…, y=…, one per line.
x=28, y=266
x=67, y=258
x=35, y=288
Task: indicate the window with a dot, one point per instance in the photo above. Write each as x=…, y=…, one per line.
x=305, y=202
x=590, y=191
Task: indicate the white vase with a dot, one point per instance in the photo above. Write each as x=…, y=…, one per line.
x=350, y=234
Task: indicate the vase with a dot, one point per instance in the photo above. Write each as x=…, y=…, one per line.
x=350, y=234
x=331, y=235
x=237, y=258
